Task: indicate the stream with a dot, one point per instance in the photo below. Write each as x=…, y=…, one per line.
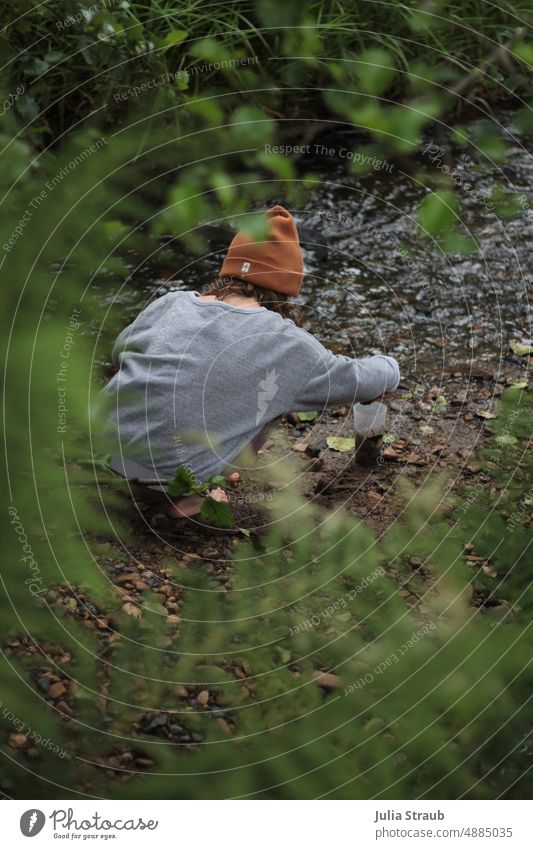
x=373, y=283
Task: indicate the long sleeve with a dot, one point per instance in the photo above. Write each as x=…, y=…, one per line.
x=342, y=380
x=145, y=322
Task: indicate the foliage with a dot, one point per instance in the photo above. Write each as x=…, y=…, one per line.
x=184, y=483
x=434, y=696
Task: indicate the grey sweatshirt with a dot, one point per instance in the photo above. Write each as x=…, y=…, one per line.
x=198, y=380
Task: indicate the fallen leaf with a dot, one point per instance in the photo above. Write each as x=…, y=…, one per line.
x=427, y=429
x=300, y=447
x=341, y=443
x=506, y=440
x=307, y=417
x=389, y=438
x=521, y=348
x=485, y=414
x=440, y=405
x=390, y=453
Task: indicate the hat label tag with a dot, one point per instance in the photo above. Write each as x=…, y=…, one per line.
x=245, y=267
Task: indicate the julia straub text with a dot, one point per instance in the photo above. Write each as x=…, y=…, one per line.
x=389, y=815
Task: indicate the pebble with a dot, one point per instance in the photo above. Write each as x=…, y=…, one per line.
x=327, y=680
x=203, y=698
x=56, y=690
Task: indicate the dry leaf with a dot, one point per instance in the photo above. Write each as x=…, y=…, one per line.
x=341, y=443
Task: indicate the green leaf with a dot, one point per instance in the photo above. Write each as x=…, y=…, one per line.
x=524, y=52
x=506, y=439
x=216, y=511
x=389, y=438
x=521, y=348
x=307, y=417
x=218, y=480
x=437, y=212
x=183, y=482
x=27, y=107
x=507, y=205
x=440, y=405
x=175, y=36
x=341, y=443
x=375, y=71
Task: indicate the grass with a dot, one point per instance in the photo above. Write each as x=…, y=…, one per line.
x=73, y=71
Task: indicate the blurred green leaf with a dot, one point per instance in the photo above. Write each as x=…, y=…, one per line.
x=438, y=212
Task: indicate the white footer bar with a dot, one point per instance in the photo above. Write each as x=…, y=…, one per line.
x=268, y=824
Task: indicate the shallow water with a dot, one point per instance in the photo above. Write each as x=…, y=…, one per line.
x=374, y=284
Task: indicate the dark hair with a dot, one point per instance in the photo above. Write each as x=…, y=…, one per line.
x=275, y=301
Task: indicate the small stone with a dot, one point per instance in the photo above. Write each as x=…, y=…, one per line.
x=18, y=741
x=203, y=698
x=56, y=690
x=131, y=609
x=327, y=680
x=173, y=619
x=157, y=722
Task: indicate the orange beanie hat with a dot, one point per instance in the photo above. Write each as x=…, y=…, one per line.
x=276, y=264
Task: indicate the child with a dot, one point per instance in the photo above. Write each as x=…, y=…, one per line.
x=202, y=376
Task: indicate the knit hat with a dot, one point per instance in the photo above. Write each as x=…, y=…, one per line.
x=275, y=264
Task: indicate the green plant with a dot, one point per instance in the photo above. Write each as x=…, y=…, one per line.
x=184, y=482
